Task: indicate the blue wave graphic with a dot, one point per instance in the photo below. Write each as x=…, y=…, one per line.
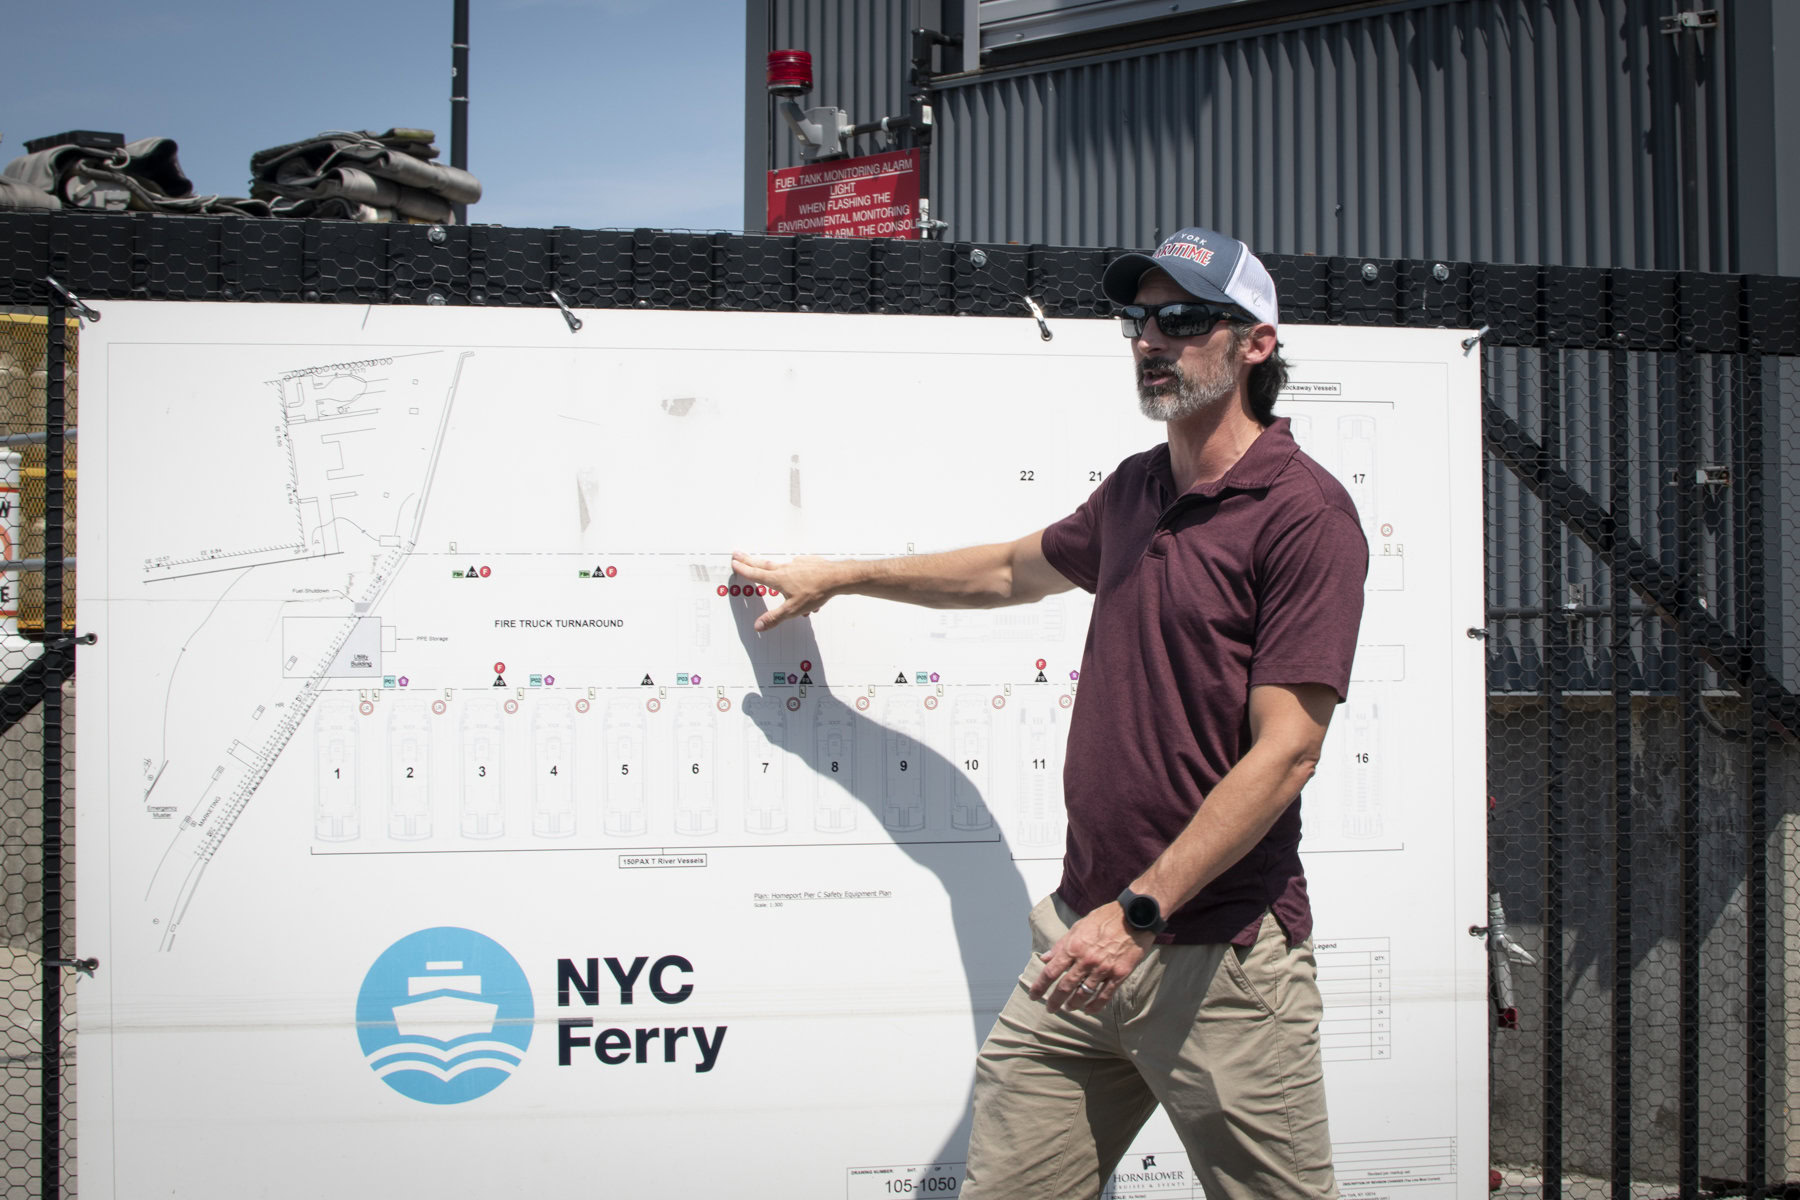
x=493, y=1022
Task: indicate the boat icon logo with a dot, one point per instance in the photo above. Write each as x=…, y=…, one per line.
x=444, y=1015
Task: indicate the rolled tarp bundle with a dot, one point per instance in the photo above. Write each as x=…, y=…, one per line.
x=362, y=176
x=140, y=176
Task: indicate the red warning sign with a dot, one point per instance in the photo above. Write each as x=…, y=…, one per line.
x=873, y=196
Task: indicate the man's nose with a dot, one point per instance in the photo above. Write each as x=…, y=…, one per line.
x=1150, y=337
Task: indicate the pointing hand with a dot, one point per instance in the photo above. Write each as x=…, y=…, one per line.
x=805, y=584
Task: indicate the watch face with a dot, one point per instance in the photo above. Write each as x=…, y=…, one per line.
x=1143, y=912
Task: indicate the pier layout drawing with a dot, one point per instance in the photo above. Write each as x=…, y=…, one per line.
x=418, y=618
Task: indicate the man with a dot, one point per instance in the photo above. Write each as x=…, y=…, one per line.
x=1173, y=964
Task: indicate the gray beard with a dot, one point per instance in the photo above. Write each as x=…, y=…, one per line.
x=1188, y=393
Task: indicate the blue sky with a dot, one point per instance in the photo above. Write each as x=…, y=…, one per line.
x=591, y=113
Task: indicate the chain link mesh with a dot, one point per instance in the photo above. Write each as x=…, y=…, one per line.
x=1642, y=672
x=37, y=1088
x=1642, y=433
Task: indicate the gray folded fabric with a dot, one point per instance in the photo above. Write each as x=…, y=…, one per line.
x=143, y=198
x=331, y=208
x=151, y=160
x=142, y=176
x=420, y=143
x=423, y=206
x=17, y=195
x=53, y=170
x=391, y=170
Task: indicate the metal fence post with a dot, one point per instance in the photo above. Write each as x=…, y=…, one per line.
x=1555, y=632
x=55, y=952
x=1751, y=597
x=1622, y=671
x=1688, y=676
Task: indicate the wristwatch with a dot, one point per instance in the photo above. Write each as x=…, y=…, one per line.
x=1142, y=912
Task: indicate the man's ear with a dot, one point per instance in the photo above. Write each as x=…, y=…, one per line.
x=1261, y=344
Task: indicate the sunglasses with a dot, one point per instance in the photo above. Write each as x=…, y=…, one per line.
x=1184, y=320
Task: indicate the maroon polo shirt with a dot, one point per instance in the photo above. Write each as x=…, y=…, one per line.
x=1255, y=578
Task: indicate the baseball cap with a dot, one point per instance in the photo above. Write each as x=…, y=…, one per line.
x=1204, y=263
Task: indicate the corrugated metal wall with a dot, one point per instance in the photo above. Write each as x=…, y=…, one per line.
x=1497, y=131
x=1014, y=23
x=1541, y=131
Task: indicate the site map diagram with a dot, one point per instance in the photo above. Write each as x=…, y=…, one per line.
x=456, y=594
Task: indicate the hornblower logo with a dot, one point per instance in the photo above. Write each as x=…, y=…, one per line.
x=1149, y=1174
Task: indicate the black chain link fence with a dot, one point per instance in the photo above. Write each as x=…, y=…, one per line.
x=1643, y=438
x=37, y=1090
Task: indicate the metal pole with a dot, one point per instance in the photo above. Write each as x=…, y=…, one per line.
x=924, y=117
x=1690, y=151
x=459, y=97
x=1555, y=632
x=1687, y=690
x=50, y=1102
x=1620, y=471
x=922, y=131
x=1756, y=850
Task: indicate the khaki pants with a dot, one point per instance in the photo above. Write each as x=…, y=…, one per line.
x=1226, y=1039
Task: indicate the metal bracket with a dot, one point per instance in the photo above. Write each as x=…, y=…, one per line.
x=1473, y=340
x=34, y=439
x=568, y=313
x=1038, y=315
x=87, y=312
x=30, y=565
x=1695, y=20
x=87, y=966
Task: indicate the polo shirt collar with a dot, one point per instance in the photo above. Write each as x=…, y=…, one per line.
x=1255, y=470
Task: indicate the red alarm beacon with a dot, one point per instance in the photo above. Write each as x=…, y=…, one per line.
x=790, y=73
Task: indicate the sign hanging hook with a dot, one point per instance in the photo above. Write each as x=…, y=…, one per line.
x=87, y=312
x=1037, y=314
x=568, y=313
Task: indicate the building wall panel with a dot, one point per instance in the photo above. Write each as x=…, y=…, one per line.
x=1500, y=131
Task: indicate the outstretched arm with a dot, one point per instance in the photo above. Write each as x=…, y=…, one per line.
x=1003, y=573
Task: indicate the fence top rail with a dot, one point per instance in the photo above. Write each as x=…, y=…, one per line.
x=143, y=256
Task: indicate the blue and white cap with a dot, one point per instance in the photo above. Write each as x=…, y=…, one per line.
x=1205, y=264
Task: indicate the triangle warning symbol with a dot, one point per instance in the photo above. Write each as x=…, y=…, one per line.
x=806, y=678
x=647, y=682
x=1041, y=678
x=900, y=678
x=499, y=681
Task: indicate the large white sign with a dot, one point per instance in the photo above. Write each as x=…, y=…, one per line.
x=446, y=830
